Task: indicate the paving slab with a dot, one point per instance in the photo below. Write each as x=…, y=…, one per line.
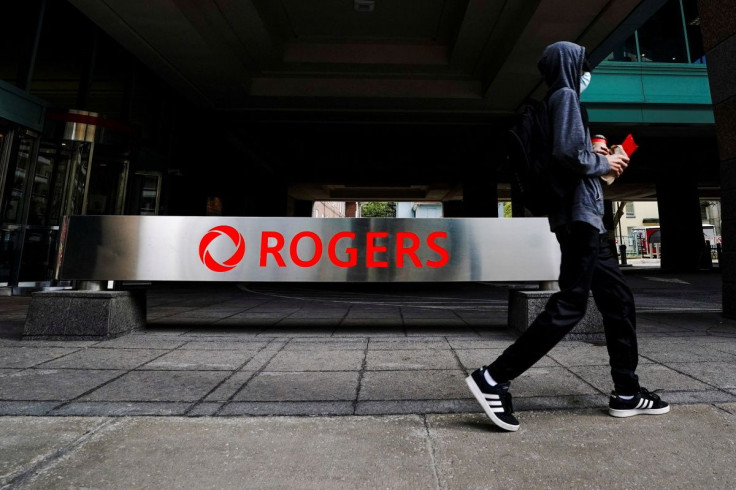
x=120, y=409
x=697, y=396
x=651, y=376
x=52, y=384
x=581, y=354
x=413, y=385
x=141, y=342
x=321, y=313
x=550, y=381
x=301, y=343
x=238, y=344
x=408, y=344
x=317, y=360
x=260, y=360
x=201, y=360
x=452, y=324
x=299, y=324
x=307, y=408
x=402, y=360
x=416, y=329
x=159, y=386
x=284, y=452
x=289, y=331
x=24, y=357
x=479, y=343
x=26, y=408
x=210, y=313
x=721, y=374
x=27, y=440
x=229, y=387
x=375, y=328
x=105, y=359
x=300, y=386
x=401, y=407
x=729, y=407
x=472, y=359
x=428, y=313
x=558, y=402
x=205, y=409
x=16, y=342
x=692, y=447
x=687, y=353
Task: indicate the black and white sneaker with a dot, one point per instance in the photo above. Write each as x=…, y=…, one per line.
x=643, y=403
x=495, y=400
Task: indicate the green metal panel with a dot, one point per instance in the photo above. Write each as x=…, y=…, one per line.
x=21, y=108
x=650, y=92
x=652, y=113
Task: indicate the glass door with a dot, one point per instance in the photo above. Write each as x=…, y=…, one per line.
x=145, y=193
x=57, y=189
x=107, y=185
x=44, y=181
x=14, y=206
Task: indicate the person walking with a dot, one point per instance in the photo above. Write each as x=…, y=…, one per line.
x=588, y=260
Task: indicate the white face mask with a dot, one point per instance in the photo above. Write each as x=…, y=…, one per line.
x=585, y=81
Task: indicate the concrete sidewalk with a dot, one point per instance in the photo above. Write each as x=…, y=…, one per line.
x=691, y=447
x=221, y=351
x=226, y=374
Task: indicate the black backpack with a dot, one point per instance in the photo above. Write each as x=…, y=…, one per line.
x=539, y=180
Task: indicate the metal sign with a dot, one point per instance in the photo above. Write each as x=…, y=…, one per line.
x=177, y=248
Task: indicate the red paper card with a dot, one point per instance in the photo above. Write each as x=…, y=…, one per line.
x=629, y=145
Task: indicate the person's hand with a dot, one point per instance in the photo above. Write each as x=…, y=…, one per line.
x=602, y=150
x=617, y=164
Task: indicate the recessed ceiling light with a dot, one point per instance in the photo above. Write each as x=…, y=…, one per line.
x=364, y=6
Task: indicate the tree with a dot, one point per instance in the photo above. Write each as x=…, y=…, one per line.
x=378, y=210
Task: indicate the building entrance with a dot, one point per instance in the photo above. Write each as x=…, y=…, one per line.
x=43, y=181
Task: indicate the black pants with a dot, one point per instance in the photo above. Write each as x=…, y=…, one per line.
x=588, y=263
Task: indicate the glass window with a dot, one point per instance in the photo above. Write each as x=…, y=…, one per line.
x=694, y=35
x=630, y=210
x=662, y=38
x=625, y=52
x=16, y=181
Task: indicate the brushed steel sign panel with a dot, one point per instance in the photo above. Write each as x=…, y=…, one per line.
x=190, y=248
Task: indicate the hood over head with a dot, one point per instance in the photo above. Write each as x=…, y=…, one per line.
x=561, y=64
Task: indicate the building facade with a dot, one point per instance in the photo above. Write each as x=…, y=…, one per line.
x=253, y=110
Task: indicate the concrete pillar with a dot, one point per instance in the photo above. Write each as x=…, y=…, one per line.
x=683, y=245
x=453, y=209
x=718, y=24
x=301, y=208
x=480, y=197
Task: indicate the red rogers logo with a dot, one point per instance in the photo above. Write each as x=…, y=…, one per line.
x=229, y=264
x=345, y=249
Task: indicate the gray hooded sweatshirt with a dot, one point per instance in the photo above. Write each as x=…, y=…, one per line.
x=561, y=65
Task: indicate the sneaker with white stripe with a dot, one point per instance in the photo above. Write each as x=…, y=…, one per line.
x=495, y=400
x=643, y=403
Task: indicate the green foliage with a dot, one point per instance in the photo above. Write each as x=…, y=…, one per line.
x=378, y=210
x=507, y=210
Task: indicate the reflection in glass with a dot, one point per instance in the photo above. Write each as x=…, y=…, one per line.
x=625, y=52
x=16, y=184
x=107, y=186
x=662, y=38
x=39, y=254
x=694, y=35
x=146, y=190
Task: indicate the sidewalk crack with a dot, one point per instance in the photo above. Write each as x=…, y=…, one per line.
x=432, y=455
x=25, y=476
